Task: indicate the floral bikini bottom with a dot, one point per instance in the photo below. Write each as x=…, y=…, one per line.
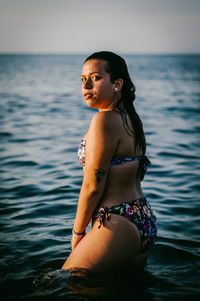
x=138, y=212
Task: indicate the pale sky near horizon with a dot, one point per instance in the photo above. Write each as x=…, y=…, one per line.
x=77, y=26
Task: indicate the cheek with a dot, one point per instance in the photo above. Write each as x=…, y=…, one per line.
x=105, y=90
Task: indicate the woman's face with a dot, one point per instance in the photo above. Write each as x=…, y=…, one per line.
x=97, y=88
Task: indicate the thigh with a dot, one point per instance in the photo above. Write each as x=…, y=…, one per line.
x=116, y=243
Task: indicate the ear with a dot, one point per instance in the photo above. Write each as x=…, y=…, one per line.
x=118, y=84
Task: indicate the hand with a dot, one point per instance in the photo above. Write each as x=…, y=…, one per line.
x=75, y=240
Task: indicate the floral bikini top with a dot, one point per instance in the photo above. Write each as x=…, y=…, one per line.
x=143, y=160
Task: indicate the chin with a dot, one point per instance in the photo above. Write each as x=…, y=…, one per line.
x=91, y=104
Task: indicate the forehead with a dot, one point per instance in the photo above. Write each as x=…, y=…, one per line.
x=94, y=65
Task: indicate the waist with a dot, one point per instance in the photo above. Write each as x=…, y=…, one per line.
x=115, y=194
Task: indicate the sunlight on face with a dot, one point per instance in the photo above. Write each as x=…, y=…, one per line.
x=97, y=88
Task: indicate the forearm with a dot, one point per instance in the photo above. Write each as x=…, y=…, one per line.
x=88, y=201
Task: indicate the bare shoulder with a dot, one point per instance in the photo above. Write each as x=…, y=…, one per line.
x=108, y=120
x=103, y=133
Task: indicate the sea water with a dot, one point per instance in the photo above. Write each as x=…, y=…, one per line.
x=42, y=119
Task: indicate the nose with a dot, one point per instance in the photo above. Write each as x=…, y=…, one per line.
x=87, y=84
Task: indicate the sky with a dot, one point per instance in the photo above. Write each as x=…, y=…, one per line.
x=85, y=26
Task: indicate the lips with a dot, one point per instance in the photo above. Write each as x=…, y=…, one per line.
x=88, y=95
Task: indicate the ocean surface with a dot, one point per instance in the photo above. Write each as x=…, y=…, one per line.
x=42, y=119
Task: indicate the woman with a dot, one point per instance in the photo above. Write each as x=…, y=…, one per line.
x=113, y=155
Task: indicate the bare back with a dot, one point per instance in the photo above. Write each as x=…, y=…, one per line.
x=122, y=184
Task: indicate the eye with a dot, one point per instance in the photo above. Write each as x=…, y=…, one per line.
x=95, y=77
x=83, y=79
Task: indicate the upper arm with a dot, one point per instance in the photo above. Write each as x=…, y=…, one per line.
x=102, y=141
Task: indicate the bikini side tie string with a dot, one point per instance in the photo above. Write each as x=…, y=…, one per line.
x=103, y=214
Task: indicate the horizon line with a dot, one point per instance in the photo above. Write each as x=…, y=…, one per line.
x=87, y=53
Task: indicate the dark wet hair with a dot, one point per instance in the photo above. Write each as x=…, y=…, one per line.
x=117, y=68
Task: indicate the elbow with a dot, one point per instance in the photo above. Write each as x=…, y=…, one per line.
x=93, y=191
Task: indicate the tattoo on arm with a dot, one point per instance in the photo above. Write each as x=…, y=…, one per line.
x=99, y=173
